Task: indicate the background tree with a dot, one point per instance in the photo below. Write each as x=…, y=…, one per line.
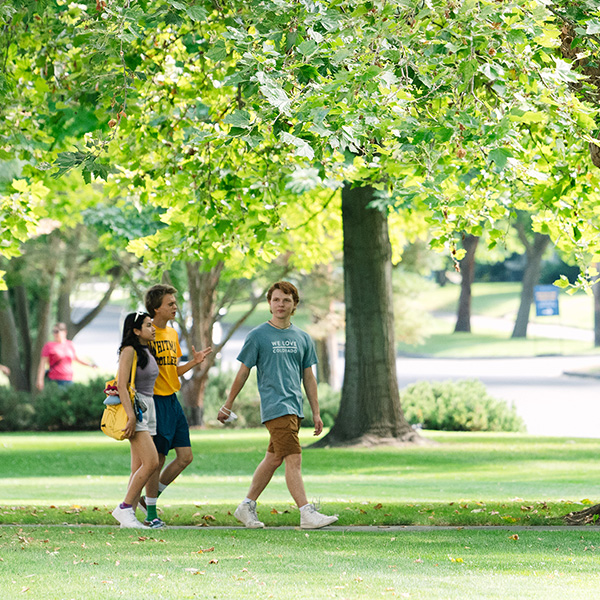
x=467, y=277
x=535, y=245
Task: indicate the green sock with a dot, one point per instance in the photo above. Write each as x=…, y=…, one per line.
x=151, y=506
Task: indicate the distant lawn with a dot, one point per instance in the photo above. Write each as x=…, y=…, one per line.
x=501, y=300
x=489, y=343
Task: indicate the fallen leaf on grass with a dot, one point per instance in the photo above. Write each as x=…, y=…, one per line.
x=455, y=560
x=213, y=561
x=211, y=549
x=509, y=519
x=378, y=506
x=274, y=511
x=208, y=518
x=514, y=537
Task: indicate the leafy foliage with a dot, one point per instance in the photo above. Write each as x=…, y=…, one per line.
x=458, y=406
x=74, y=408
x=462, y=111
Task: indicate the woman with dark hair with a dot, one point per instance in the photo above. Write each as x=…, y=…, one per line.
x=138, y=331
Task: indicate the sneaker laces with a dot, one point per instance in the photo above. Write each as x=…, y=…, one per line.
x=252, y=510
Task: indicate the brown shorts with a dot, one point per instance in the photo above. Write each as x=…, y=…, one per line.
x=284, y=435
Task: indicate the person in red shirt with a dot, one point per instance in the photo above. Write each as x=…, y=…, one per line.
x=57, y=358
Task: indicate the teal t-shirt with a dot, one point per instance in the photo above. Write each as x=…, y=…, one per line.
x=280, y=357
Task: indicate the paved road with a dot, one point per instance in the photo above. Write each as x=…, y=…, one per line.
x=550, y=402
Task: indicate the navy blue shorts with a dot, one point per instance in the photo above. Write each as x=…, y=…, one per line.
x=172, y=429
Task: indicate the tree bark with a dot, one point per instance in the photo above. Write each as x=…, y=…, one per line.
x=534, y=253
x=588, y=516
x=596, y=290
x=19, y=378
x=370, y=411
x=467, y=271
x=202, y=287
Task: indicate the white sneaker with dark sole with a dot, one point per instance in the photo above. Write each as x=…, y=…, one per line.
x=310, y=518
x=245, y=513
x=126, y=518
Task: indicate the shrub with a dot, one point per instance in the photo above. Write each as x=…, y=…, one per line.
x=77, y=407
x=458, y=406
x=16, y=410
x=74, y=408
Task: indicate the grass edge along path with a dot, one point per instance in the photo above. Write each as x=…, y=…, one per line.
x=275, y=515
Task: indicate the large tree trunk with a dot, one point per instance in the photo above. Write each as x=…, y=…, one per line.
x=467, y=270
x=370, y=410
x=531, y=277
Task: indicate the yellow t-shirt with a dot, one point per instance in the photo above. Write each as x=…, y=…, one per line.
x=167, y=351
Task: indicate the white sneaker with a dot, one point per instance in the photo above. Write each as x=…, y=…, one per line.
x=126, y=518
x=246, y=513
x=310, y=518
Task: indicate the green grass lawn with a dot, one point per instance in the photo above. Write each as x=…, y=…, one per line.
x=58, y=539
x=105, y=563
x=501, y=300
x=498, y=301
x=462, y=479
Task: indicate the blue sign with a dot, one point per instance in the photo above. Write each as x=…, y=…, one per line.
x=546, y=300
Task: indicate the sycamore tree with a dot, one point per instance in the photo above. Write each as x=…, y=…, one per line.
x=209, y=109
x=416, y=106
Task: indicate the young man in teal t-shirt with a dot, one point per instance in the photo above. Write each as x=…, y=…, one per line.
x=283, y=356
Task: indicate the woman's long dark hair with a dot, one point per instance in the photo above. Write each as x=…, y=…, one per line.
x=134, y=321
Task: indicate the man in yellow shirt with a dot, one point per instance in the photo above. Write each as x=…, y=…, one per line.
x=172, y=430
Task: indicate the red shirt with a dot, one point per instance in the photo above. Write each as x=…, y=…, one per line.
x=60, y=355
